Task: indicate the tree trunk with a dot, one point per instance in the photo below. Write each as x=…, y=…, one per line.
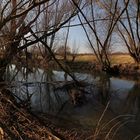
x=3, y=64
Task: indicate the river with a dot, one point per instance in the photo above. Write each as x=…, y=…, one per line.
x=121, y=94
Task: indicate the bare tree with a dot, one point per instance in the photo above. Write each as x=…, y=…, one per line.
x=74, y=51
x=102, y=29
x=19, y=18
x=129, y=27
x=62, y=50
x=66, y=42
x=14, y=25
x=57, y=13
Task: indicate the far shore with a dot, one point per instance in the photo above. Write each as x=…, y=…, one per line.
x=87, y=62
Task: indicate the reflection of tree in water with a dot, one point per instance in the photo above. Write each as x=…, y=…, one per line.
x=44, y=96
x=132, y=106
x=104, y=89
x=58, y=94
x=49, y=99
x=75, y=91
x=133, y=99
x=40, y=93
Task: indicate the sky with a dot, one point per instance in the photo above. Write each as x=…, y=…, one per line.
x=78, y=39
x=77, y=34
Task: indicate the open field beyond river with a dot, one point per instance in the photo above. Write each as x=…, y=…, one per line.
x=115, y=58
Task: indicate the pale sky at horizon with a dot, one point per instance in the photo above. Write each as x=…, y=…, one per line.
x=77, y=34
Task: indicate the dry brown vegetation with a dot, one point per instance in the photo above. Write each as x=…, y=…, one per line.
x=17, y=123
x=115, y=58
x=122, y=59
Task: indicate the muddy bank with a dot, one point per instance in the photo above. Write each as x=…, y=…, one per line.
x=18, y=123
x=123, y=69
x=131, y=69
x=21, y=124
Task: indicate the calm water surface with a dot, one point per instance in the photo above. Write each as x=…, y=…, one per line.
x=47, y=98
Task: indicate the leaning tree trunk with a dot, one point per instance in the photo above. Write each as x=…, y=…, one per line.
x=3, y=64
x=11, y=49
x=7, y=58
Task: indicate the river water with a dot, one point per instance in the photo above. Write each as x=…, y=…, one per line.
x=121, y=94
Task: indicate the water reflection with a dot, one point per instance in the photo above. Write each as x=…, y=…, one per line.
x=133, y=99
x=49, y=94
x=104, y=89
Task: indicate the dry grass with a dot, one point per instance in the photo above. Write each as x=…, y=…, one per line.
x=110, y=129
x=86, y=57
x=20, y=124
x=17, y=124
x=115, y=58
x=122, y=59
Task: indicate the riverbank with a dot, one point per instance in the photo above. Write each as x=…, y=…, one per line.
x=23, y=123
x=83, y=62
x=88, y=62
x=18, y=123
x=124, y=69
